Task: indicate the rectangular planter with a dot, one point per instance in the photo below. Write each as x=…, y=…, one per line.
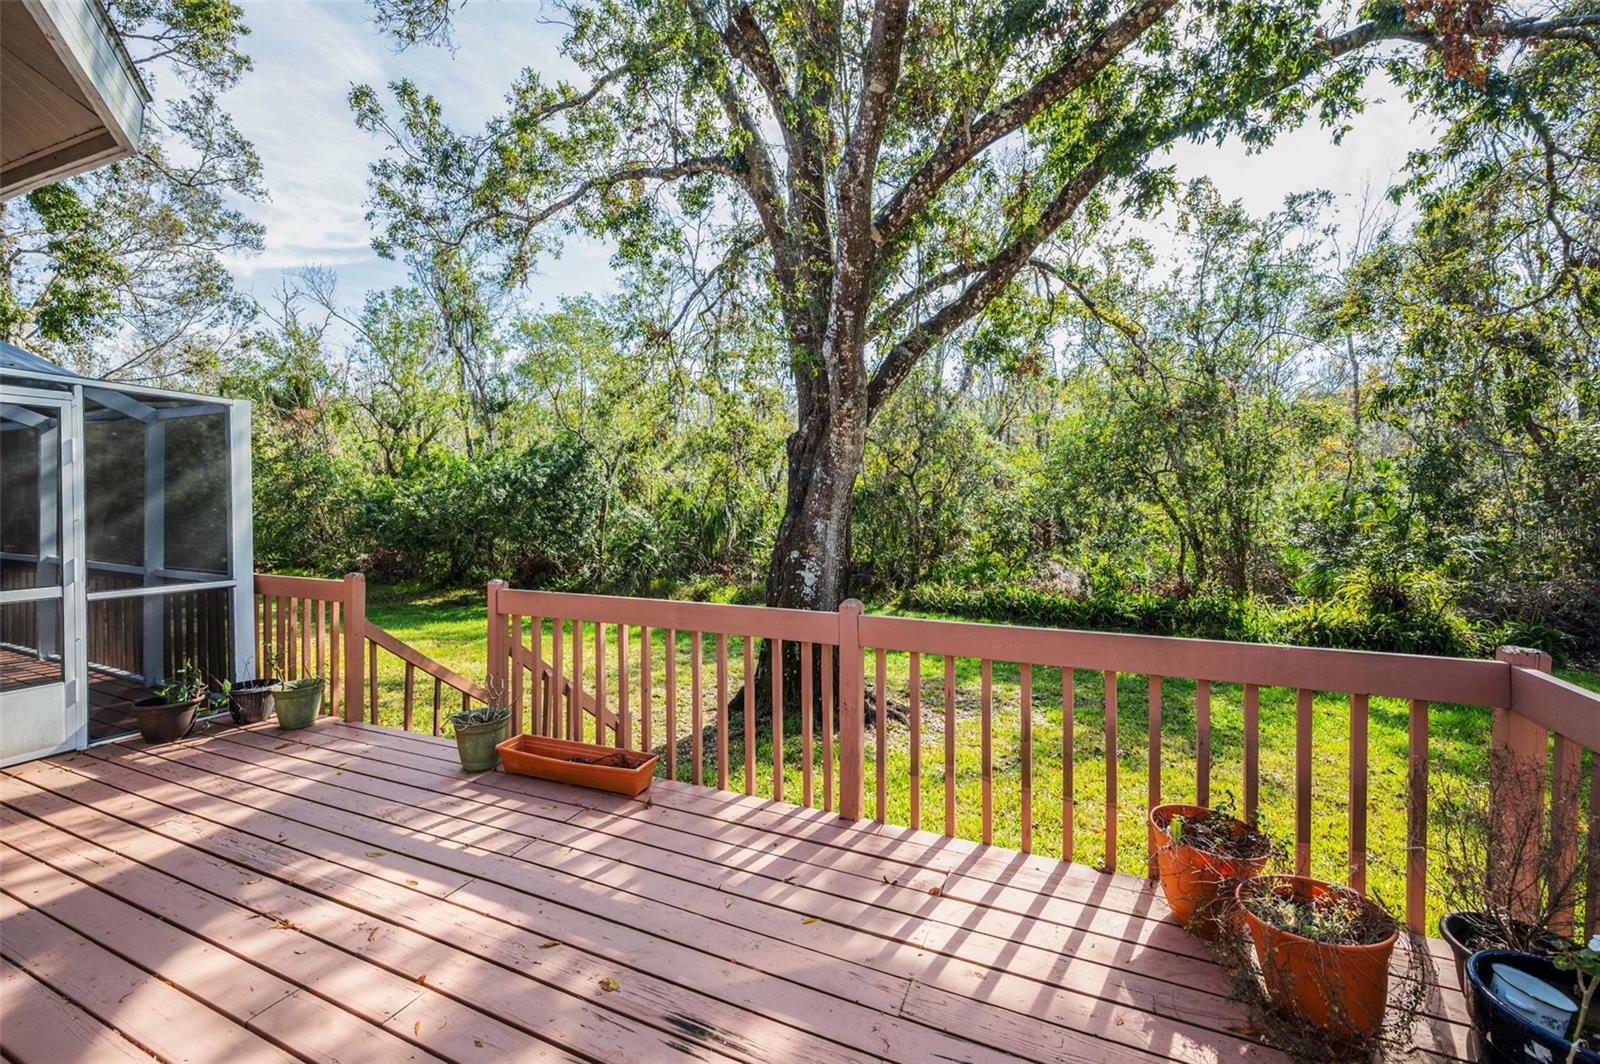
x=580, y=764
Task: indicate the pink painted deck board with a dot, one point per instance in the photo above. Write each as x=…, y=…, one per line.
x=733, y=927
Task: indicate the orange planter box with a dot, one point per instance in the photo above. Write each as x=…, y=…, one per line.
x=601, y=768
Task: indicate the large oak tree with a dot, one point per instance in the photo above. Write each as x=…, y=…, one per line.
x=888, y=171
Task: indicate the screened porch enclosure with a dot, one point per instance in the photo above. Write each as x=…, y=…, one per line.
x=124, y=531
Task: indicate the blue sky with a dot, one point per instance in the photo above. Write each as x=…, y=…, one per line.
x=308, y=54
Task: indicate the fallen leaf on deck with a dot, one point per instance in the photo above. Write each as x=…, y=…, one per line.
x=416, y=1028
x=935, y=891
x=411, y=882
x=808, y=920
x=250, y=882
x=478, y=1042
x=548, y=945
x=376, y=853
x=610, y=985
x=422, y=980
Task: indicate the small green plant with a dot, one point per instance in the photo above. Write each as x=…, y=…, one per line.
x=185, y=685
x=466, y=718
x=1584, y=962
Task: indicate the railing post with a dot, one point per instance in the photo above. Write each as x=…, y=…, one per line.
x=496, y=672
x=1517, y=769
x=852, y=713
x=355, y=636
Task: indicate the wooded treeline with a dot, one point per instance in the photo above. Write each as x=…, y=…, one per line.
x=1364, y=424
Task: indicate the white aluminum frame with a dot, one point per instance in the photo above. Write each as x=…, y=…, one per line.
x=241, y=575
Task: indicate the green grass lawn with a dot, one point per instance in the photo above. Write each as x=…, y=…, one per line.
x=450, y=628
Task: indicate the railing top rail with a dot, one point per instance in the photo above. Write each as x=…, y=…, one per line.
x=762, y=622
x=1435, y=679
x=1559, y=706
x=310, y=587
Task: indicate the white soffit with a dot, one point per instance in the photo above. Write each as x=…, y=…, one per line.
x=70, y=98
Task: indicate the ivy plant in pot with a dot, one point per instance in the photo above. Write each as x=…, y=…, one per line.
x=478, y=731
x=1323, y=953
x=168, y=713
x=1504, y=881
x=297, y=702
x=1202, y=855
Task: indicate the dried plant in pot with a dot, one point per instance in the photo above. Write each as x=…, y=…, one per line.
x=1323, y=951
x=1506, y=883
x=478, y=732
x=252, y=701
x=168, y=714
x=1203, y=854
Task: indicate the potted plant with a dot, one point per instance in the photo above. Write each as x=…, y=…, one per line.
x=1202, y=855
x=168, y=713
x=297, y=702
x=1323, y=951
x=478, y=733
x=252, y=701
x=1527, y=1007
x=1502, y=878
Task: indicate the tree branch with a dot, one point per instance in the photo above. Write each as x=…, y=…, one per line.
x=921, y=188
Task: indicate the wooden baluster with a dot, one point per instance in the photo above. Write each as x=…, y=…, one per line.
x=914, y=693
x=647, y=682
x=306, y=633
x=722, y=711
x=949, y=745
x=411, y=677
x=335, y=672
x=777, y=719
x=466, y=701
x=1302, y=782
x=1069, y=805
x=575, y=699
x=538, y=721
x=514, y=663
x=1111, y=770
x=671, y=651
x=1358, y=792
x=1417, y=817
x=1025, y=709
x=558, y=631
x=322, y=635
x=697, y=709
x=1252, y=749
x=599, y=683
x=372, y=679
x=624, y=724
x=880, y=694
x=749, y=715
x=291, y=639
x=1202, y=742
x=438, y=698
x=1153, y=774
x=806, y=710
x=1567, y=758
x=986, y=746
x=827, y=727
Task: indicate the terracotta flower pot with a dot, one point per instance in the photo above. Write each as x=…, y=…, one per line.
x=1199, y=885
x=1341, y=988
x=161, y=721
x=298, y=702
x=602, y=768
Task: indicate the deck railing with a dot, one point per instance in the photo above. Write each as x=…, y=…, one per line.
x=614, y=670
x=313, y=627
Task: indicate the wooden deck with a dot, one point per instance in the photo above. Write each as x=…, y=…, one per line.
x=345, y=893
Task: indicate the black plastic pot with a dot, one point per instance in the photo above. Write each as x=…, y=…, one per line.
x=161, y=721
x=1504, y=1036
x=1466, y=934
x=251, y=701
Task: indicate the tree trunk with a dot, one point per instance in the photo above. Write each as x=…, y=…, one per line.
x=811, y=553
